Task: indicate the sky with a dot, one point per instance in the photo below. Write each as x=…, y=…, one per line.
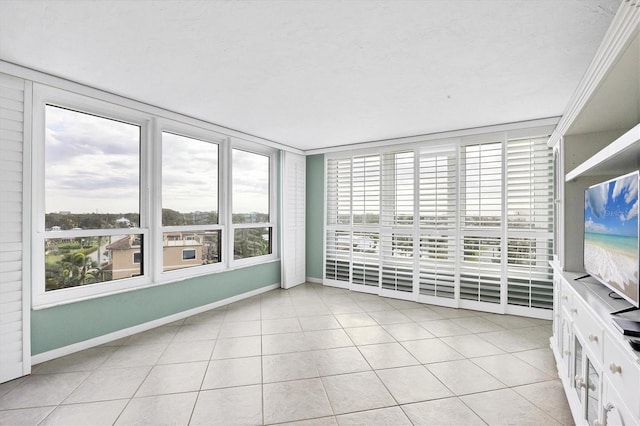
x=92, y=166
x=612, y=207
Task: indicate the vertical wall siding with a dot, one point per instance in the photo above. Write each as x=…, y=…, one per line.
x=11, y=245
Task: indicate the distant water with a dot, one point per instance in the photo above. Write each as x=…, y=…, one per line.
x=628, y=245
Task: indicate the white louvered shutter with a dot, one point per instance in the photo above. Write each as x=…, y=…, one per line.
x=293, y=221
x=13, y=344
x=438, y=210
x=365, y=190
x=529, y=223
x=397, y=189
x=481, y=218
x=337, y=253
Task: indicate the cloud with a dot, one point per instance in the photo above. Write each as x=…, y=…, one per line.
x=597, y=199
x=592, y=226
x=627, y=186
x=633, y=211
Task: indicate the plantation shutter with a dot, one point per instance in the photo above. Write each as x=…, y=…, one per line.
x=366, y=190
x=397, y=189
x=481, y=218
x=293, y=221
x=366, y=258
x=529, y=223
x=397, y=262
x=338, y=231
x=438, y=210
x=14, y=347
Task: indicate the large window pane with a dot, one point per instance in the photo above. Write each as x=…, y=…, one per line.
x=189, y=181
x=251, y=242
x=92, y=171
x=250, y=188
x=187, y=249
x=79, y=261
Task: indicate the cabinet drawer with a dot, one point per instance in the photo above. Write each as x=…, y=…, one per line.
x=589, y=328
x=565, y=295
x=615, y=410
x=623, y=372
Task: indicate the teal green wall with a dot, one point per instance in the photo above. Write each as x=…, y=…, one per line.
x=71, y=323
x=64, y=325
x=315, y=215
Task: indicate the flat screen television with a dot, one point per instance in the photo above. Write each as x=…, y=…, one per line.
x=611, y=235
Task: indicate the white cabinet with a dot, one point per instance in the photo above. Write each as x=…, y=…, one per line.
x=598, y=369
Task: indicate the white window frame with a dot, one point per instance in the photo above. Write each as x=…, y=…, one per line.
x=188, y=131
x=46, y=95
x=152, y=122
x=273, y=212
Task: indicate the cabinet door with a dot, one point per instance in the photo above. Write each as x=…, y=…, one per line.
x=592, y=394
x=578, y=368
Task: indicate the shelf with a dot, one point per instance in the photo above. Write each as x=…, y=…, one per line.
x=619, y=157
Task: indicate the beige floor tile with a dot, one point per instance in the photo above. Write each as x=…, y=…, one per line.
x=339, y=361
x=389, y=317
x=108, y=384
x=327, y=339
x=226, y=373
x=295, y=400
x=355, y=320
x=407, y=331
x=321, y=322
x=281, y=325
x=239, y=329
x=229, y=406
x=25, y=416
x=291, y=366
x=284, y=343
x=518, y=340
x=356, y=392
x=542, y=359
x=471, y=346
x=550, y=398
x=173, y=378
x=387, y=355
x=156, y=335
x=510, y=370
x=505, y=406
x=421, y=314
x=180, y=352
x=464, y=377
x=345, y=308
x=477, y=324
x=198, y=331
x=382, y=416
x=172, y=409
x=444, y=328
x=369, y=335
x=135, y=356
x=42, y=390
x=237, y=347
x=322, y=421
x=431, y=350
x=453, y=312
x=374, y=305
x=442, y=412
x=86, y=360
x=413, y=384
x=510, y=321
x=90, y=413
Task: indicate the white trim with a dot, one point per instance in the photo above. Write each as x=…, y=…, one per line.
x=27, y=143
x=542, y=124
x=61, y=83
x=125, y=332
x=626, y=23
x=313, y=280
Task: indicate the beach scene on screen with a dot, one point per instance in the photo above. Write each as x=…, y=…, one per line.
x=611, y=234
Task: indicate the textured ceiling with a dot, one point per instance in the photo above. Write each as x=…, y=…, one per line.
x=315, y=74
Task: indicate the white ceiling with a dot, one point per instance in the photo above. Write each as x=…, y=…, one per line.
x=315, y=74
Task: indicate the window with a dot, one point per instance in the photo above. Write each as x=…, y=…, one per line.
x=126, y=199
x=460, y=222
x=190, y=202
x=251, y=204
x=88, y=196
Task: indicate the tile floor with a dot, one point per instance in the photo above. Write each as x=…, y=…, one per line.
x=311, y=355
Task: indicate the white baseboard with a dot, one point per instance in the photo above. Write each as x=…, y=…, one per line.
x=314, y=280
x=106, y=338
